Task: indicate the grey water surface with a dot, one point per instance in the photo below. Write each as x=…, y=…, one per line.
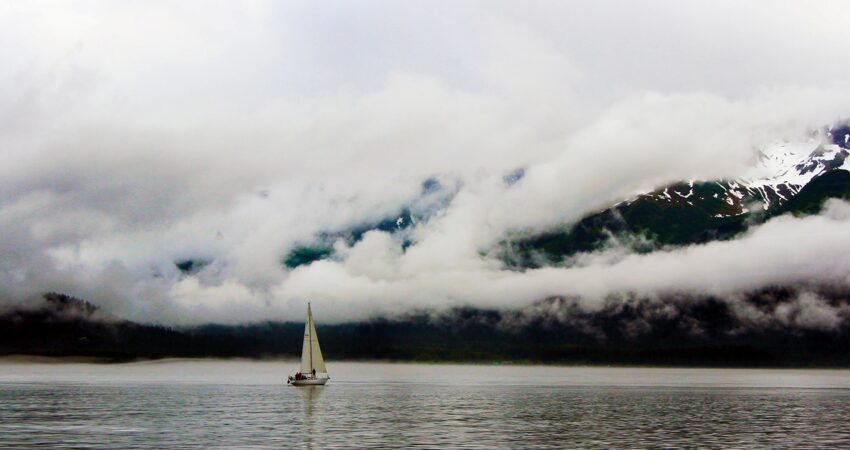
x=246, y=404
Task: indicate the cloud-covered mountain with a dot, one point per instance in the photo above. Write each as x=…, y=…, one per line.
x=795, y=178
x=233, y=165
x=789, y=177
x=433, y=199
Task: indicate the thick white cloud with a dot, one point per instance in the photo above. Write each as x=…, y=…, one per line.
x=785, y=251
x=134, y=135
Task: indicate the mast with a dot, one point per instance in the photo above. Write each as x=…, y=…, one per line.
x=309, y=324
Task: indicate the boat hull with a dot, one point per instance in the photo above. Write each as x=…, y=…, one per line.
x=316, y=382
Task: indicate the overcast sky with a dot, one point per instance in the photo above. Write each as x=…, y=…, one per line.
x=134, y=134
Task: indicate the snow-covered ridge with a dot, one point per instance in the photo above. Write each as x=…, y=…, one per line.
x=794, y=163
x=779, y=172
x=783, y=169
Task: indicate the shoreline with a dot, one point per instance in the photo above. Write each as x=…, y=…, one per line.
x=24, y=359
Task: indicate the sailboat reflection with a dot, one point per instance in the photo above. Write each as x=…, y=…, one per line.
x=312, y=414
x=310, y=395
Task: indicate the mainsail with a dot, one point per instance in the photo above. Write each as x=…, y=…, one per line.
x=311, y=354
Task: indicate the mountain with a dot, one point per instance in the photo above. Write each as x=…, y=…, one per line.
x=791, y=178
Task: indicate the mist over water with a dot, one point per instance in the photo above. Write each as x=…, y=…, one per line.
x=220, y=404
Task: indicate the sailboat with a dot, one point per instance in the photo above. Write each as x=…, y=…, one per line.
x=313, y=371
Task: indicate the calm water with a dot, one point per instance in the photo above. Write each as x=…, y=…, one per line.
x=236, y=404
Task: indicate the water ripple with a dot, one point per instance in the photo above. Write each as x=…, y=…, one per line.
x=417, y=415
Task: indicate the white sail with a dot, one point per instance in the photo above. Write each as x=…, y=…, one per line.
x=318, y=360
x=311, y=354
